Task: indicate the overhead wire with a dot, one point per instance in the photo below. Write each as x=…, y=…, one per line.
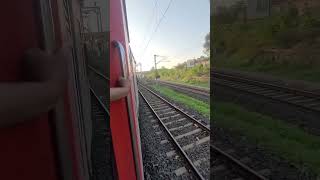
x=161, y=19
x=150, y=21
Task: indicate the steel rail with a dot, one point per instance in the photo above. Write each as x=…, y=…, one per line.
x=199, y=91
x=190, y=163
x=202, y=89
x=269, y=85
x=269, y=97
x=204, y=127
x=252, y=173
x=99, y=100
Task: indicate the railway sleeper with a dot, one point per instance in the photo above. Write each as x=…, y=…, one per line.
x=169, y=117
x=314, y=105
x=218, y=168
x=265, y=172
x=271, y=94
x=167, y=109
x=188, y=133
x=198, y=162
x=293, y=98
x=180, y=171
x=283, y=96
x=163, y=114
x=180, y=127
x=197, y=143
x=264, y=91
x=164, y=141
x=307, y=100
x=157, y=104
x=160, y=107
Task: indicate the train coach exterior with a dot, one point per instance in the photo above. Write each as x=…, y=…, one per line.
x=123, y=113
x=57, y=145
x=54, y=145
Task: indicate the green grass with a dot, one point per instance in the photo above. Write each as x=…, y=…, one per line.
x=198, y=75
x=293, y=72
x=199, y=84
x=200, y=106
x=239, y=44
x=285, y=140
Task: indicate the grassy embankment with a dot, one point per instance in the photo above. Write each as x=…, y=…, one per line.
x=200, y=106
x=197, y=76
x=293, y=38
x=286, y=141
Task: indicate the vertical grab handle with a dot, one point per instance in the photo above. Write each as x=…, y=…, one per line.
x=119, y=46
x=134, y=140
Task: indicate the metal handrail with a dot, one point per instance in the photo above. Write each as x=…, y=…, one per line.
x=119, y=46
x=104, y=107
x=98, y=73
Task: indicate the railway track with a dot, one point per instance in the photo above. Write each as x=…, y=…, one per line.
x=303, y=99
x=102, y=152
x=226, y=166
x=190, y=137
x=99, y=82
x=187, y=88
x=101, y=140
x=223, y=164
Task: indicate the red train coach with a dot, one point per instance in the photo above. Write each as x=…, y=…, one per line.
x=57, y=145
x=124, y=113
x=53, y=145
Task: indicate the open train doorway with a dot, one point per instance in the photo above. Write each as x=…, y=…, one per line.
x=95, y=41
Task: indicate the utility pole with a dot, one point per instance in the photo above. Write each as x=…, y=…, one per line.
x=155, y=64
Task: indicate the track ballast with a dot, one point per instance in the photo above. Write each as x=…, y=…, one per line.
x=190, y=137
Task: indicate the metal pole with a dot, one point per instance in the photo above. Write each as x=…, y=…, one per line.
x=100, y=19
x=98, y=23
x=270, y=7
x=140, y=67
x=155, y=66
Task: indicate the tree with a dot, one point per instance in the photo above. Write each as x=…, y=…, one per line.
x=206, y=44
x=181, y=66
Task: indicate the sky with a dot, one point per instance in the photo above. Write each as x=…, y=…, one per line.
x=179, y=37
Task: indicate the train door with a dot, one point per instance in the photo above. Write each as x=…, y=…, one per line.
x=49, y=146
x=77, y=100
x=123, y=117
x=27, y=150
